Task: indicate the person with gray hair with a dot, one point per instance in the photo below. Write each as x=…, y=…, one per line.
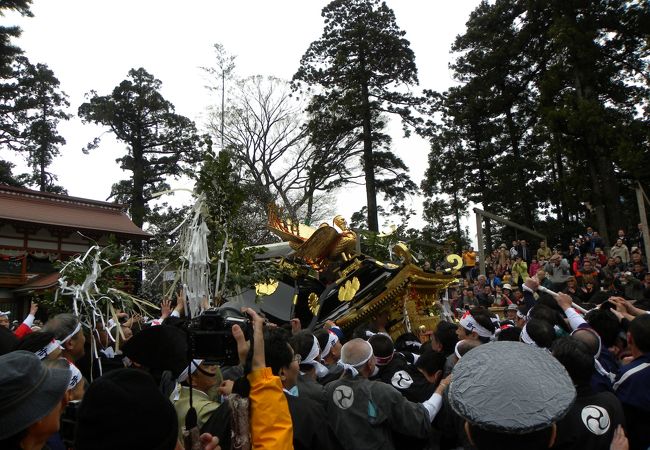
x=365, y=413
x=67, y=330
x=557, y=272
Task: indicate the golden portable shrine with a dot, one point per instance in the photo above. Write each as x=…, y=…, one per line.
x=326, y=278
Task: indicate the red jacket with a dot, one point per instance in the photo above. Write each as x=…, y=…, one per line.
x=25, y=328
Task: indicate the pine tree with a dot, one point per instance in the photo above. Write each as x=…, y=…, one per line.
x=565, y=90
x=362, y=66
x=44, y=106
x=159, y=142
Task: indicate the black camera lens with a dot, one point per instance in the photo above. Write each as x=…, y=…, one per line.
x=209, y=323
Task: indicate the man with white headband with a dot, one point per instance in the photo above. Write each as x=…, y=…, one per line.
x=306, y=345
x=387, y=360
x=67, y=330
x=391, y=367
x=364, y=413
x=538, y=333
x=476, y=324
x=43, y=344
x=76, y=386
x=330, y=354
x=582, y=330
x=206, y=379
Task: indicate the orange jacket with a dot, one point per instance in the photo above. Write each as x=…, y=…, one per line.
x=469, y=259
x=271, y=426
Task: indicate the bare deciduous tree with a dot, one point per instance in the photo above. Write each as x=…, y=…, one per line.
x=265, y=128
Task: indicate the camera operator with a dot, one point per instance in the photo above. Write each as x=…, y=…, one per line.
x=205, y=381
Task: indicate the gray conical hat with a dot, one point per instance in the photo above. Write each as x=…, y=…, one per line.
x=539, y=391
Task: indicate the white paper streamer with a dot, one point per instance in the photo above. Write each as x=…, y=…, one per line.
x=195, y=270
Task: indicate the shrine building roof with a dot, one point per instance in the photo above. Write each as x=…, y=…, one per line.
x=25, y=206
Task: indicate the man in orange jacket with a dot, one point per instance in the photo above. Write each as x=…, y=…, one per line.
x=270, y=422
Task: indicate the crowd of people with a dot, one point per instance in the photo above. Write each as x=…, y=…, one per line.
x=583, y=270
x=556, y=356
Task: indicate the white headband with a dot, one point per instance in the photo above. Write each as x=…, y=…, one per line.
x=353, y=367
x=416, y=344
x=592, y=331
x=5, y=313
x=76, y=376
x=48, y=349
x=525, y=337
x=599, y=367
x=332, y=339
x=71, y=335
x=184, y=374
x=310, y=360
x=469, y=323
x=456, y=352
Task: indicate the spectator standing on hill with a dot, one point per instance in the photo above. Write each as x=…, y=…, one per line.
x=514, y=250
x=469, y=262
x=543, y=252
x=621, y=250
x=524, y=251
x=519, y=271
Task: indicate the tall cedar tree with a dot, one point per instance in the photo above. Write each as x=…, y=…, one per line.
x=44, y=106
x=363, y=66
x=8, y=51
x=463, y=156
x=160, y=143
x=566, y=89
x=9, y=120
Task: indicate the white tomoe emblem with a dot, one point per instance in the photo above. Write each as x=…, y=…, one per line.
x=343, y=396
x=595, y=419
x=401, y=380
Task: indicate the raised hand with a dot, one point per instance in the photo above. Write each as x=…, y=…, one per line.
x=165, y=308
x=296, y=326
x=532, y=283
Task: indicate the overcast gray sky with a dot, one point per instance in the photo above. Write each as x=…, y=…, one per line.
x=91, y=44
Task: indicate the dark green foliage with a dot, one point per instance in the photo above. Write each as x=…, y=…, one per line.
x=160, y=143
x=31, y=107
x=6, y=175
x=361, y=68
x=9, y=51
x=551, y=117
x=161, y=252
x=237, y=218
x=42, y=106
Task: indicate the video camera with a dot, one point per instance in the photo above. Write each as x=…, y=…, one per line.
x=211, y=336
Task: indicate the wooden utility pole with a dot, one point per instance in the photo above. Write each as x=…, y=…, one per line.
x=479, y=233
x=641, y=198
x=479, y=239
